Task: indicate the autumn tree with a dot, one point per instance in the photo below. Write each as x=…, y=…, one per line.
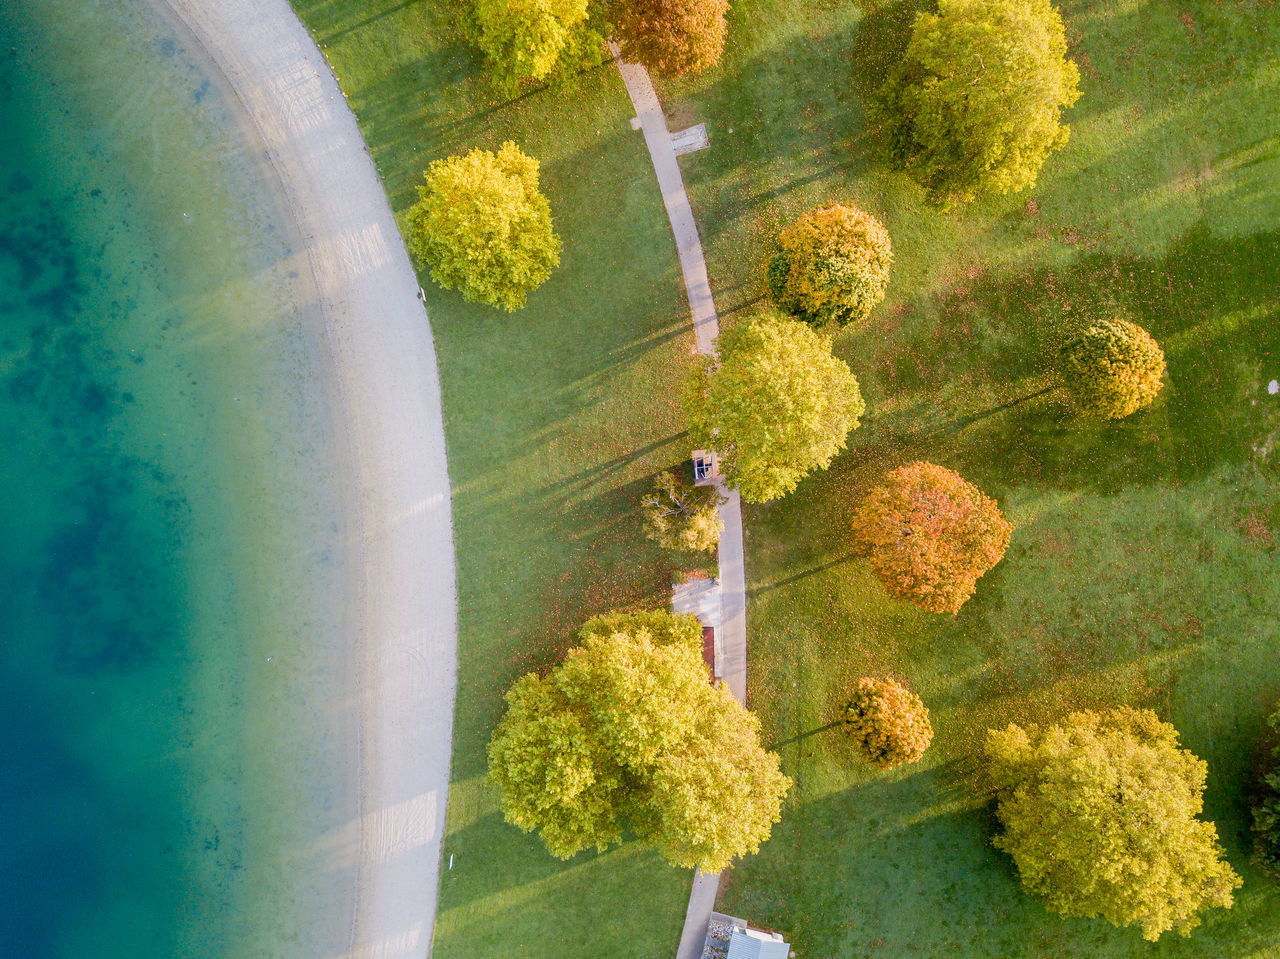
x=888, y=723
x=627, y=737
x=528, y=40
x=1112, y=368
x=775, y=404
x=671, y=37
x=832, y=265
x=682, y=516
x=1266, y=808
x=930, y=535
x=1099, y=815
x=484, y=228
x=975, y=105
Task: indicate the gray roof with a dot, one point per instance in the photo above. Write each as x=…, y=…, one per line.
x=743, y=946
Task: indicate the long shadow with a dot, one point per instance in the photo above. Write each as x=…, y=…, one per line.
x=600, y=472
x=1212, y=302
x=372, y=18
x=803, y=574
x=1214, y=305
x=801, y=737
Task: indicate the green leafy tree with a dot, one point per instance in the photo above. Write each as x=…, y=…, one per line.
x=930, y=535
x=832, y=265
x=1112, y=368
x=975, y=106
x=775, y=405
x=1099, y=815
x=529, y=40
x=484, y=228
x=627, y=736
x=682, y=516
x=671, y=37
x=1266, y=808
x=888, y=722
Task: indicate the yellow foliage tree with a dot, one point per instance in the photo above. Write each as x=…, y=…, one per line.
x=627, y=736
x=832, y=265
x=975, y=106
x=483, y=227
x=682, y=516
x=775, y=404
x=529, y=39
x=888, y=722
x=1112, y=368
x=1099, y=815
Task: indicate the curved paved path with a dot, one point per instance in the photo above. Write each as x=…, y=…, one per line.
x=401, y=608
x=733, y=625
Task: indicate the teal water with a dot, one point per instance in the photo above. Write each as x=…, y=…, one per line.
x=175, y=747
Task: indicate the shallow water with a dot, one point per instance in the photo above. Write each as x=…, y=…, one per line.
x=176, y=746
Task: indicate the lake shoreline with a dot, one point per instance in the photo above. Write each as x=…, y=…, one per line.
x=399, y=607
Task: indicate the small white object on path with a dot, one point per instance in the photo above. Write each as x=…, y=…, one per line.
x=1273, y=387
x=381, y=375
x=732, y=634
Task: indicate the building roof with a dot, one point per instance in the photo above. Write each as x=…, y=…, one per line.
x=753, y=944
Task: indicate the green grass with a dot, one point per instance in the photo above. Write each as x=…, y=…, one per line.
x=557, y=418
x=1144, y=566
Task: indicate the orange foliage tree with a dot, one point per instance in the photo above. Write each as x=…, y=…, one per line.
x=888, y=722
x=930, y=535
x=671, y=37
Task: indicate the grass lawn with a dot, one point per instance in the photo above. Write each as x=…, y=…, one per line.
x=1144, y=567
x=557, y=418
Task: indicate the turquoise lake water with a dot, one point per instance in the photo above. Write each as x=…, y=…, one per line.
x=176, y=745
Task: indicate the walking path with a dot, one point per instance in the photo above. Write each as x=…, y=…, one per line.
x=733, y=626
x=400, y=599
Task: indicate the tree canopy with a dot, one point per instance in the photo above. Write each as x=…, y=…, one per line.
x=671, y=37
x=484, y=228
x=1099, y=815
x=775, y=405
x=888, y=722
x=627, y=736
x=682, y=516
x=975, y=106
x=930, y=535
x=1112, y=368
x=832, y=265
x=529, y=39
x=1266, y=808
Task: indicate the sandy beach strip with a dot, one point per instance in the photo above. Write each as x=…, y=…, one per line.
x=400, y=603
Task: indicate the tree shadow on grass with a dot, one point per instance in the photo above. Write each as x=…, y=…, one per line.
x=340, y=32
x=1212, y=302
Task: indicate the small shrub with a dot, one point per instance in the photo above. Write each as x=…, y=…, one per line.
x=1112, y=368
x=484, y=228
x=930, y=535
x=974, y=108
x=1266, y=810
x=889, y=723
x=671, y=37
x=832, y=265
x=679, y=515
